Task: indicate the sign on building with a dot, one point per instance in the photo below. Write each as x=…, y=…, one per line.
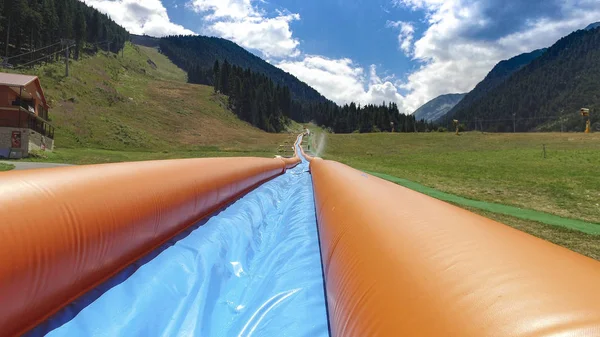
x=15, y=140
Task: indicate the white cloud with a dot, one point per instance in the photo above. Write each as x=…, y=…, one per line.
x=234, y=9
x=341, y=80
x=466, y=38
x=271, y=36
x=406, y=36
x=140, y=17
x=243, y=23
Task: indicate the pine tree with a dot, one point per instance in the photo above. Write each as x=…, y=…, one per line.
x=80, y=32
x=50, y=22
x=32, y=27
x=216, y=75
x=224, y=78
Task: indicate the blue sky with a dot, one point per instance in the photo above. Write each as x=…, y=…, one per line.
x=369, y=51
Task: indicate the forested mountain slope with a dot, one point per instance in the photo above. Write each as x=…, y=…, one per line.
x=553, y=86
x=202, y=51
x=500, y=73
x=34, y=29
x=139, y=101
x=267, y=96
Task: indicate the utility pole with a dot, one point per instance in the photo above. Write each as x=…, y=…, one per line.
x=7, y=37
x=586, y=113
x=514, y=122
x=67, y=61
x=66, y=43
x=562, y=121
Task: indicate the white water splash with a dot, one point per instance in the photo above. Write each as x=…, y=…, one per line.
x=320, y=143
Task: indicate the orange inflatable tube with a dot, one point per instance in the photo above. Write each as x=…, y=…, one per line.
x=399, y=263
x=64, y=231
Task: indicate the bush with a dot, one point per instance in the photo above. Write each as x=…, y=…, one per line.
x=442, y=129
x=38, y=154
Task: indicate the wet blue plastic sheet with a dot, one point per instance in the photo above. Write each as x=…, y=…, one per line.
x=252, y=270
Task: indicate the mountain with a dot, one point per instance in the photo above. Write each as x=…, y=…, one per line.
x=593, y=26
x=437, y=107
x=555, y=85
x=500, y=73
x=191, y=51
x=268, y=97
x=145, y=40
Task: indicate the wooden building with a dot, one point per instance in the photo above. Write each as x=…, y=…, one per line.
x=24, y=122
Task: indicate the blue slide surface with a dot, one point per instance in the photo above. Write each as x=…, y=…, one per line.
x=254, y=269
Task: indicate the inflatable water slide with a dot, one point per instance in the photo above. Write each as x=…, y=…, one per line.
x=271, y=247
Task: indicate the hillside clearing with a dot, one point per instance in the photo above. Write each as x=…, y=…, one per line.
x=139, y=103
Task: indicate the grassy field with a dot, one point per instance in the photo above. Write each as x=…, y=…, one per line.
x=6, y=167
x=508, y=169
x=140, y=104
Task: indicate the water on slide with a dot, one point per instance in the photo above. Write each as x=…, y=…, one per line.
x=254, y=269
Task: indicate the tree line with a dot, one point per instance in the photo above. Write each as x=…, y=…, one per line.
x=190, y=51
x=351, y=117
x=33, y=25
x=255, y=98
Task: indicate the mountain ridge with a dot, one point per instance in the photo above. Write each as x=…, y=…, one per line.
x=189, y=51
x=547, y=93
x=593, y=26
x=437, y=107
x=500, y=73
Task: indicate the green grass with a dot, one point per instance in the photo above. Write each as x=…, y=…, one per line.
x=6, y=167
x=140, y=102
x=506, y=169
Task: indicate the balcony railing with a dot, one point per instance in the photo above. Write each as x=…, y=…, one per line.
x=25, y=119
